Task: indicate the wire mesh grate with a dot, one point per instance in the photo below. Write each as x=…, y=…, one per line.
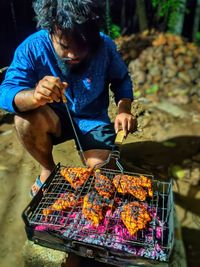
x=71, y=223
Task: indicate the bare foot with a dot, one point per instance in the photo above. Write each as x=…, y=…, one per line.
x=40, y=180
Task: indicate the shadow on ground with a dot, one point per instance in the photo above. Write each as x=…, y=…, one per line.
x=156, y=158
x=192, y=244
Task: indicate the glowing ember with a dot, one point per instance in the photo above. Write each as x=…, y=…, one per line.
x=133, y=215
x=110, y=234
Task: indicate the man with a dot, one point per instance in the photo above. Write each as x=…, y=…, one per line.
x=68, y=59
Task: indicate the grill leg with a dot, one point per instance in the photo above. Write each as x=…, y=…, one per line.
x=72, y=260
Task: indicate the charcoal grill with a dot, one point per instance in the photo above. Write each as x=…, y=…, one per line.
x=69, y=231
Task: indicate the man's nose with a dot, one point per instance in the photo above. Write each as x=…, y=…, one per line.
x=72, y=55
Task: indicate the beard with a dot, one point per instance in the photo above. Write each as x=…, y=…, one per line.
x=67, y=68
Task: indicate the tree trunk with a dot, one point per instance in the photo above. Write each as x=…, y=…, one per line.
x=176, y=26
x=123, y=17
x=108, y=17
x=141, y=14
x=196, y=20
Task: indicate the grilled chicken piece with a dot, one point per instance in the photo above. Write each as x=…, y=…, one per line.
x=135, y=216
x=147, y=183
x=94, y=207
x=76, y=176
x=65, y=201
x=103, y=185
x=127, y=184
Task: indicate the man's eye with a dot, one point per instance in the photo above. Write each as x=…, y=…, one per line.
x=64, y=46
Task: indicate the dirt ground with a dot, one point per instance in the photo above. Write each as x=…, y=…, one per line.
x=159, y=143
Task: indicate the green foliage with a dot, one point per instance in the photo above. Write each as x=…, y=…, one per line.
x=167, y=6
x=197, y=38
x=172, y=8
x=152, y=90
x=137, y=94
x=113, y=30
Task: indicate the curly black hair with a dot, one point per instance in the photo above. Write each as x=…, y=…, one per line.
x=81, y=18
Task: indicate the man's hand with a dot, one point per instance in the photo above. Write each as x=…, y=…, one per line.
x=49, y=89
x=125, y=120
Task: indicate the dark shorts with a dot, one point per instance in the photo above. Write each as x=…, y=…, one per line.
x=102, y=137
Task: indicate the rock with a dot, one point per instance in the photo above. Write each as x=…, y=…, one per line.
x=155, y=70
x=193, y=74
x=170, y=108
x=195, y=175
x=184, y=77
x=180, y=99
x=169, y=72
x=168, y=63
x=140, y=77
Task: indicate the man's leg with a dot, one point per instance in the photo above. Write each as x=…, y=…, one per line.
x=98, y=144
x=94, y=157
x=34, y=131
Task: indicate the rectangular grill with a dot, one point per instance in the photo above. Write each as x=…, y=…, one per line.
x=110, y=242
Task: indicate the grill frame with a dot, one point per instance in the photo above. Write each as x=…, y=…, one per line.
x=54, y=240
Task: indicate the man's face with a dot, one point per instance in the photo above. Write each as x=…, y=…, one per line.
x=69, y=52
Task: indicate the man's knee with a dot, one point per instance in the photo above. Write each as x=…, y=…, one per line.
x=95, y=157
x=43, y=118
x=21, y=123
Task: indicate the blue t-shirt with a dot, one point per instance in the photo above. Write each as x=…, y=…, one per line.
x=87, y=92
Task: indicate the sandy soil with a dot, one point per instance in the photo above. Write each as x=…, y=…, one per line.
x=142, y=150
x=17, y=173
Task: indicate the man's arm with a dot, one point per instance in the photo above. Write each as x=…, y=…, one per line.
x=25, y=101
x=124, y=106
x=122, y=88
x=48, y=89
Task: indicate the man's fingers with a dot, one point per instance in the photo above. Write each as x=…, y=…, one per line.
x=125, y=122
x=124, y=127
x=64, y=87
x=131, y=125
x=41, y=97
x=56, y=85
x=121, y=125
x=50, y=93
x=116, y=126
x=53, y=79
x=65, y=84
